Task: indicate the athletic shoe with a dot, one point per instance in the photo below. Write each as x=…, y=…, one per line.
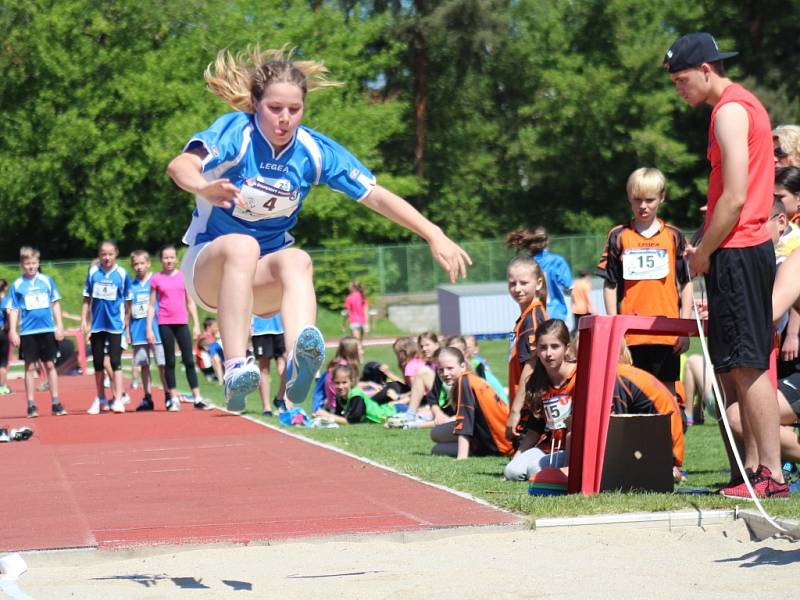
x=97, y=406
x=4, y=437
x=59, y=410
x=4, y=390
x=32, y=412
x=767, y=487
x=134, y=384
x=266, y=413
x=279, y=404
x=679, y=475
x=397, y=422
x=146, y=404
x=243, y=380
x=201, y=404
x=309, y=352
x=126, y=399
x=733, y=488
x=43, y=387
x=764, y=486
x=21, y=434
x=117, y=406
x=173, y=405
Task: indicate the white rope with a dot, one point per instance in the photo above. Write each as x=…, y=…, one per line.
x=723, y=415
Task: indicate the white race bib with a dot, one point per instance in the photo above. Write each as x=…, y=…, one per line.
x=104, y=290
x=139, y=306
x=267, y=200
x=36, y=299
x=645, y=263
x=557, y=409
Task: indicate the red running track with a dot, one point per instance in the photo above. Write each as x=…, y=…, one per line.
x=193, y=477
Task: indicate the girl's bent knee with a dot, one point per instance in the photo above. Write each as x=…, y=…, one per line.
x=515, y=472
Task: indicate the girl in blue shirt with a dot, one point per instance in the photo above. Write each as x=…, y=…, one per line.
x=250, y=172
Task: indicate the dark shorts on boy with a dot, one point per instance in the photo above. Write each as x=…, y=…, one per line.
x=739, y=287
x=790, y=388
x=659, y=360
x=3, y=348
x=38, y=346
x=269, y=345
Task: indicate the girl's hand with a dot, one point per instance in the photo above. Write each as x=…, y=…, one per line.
x=450, y=256
x=222, y=193
x=151, y=338
x=13, y=337
x=59, y=333
x=511, y=426
x=441, y=418
x=196, y=331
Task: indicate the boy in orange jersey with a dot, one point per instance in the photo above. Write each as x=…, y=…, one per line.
x=645, y=274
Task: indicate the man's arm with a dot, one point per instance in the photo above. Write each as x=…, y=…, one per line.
x=731, y=129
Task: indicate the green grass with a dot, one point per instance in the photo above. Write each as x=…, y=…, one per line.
x=409, y=452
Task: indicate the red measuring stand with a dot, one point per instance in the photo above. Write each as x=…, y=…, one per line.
x=598, y=355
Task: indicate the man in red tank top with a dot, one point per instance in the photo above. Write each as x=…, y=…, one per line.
x=736, y=254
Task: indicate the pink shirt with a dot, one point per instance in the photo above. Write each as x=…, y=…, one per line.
x=412, y=366
x=356, y=306
x=171, y=294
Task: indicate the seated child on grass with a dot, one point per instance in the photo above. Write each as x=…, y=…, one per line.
x=352, y=405
x=478, y=421
x=208, y=351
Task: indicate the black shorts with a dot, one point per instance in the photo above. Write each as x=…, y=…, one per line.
x=38, y=346
x=790, y=388
x=658, y=360
x=739, y=287
x=3, y=348
x=269, y=345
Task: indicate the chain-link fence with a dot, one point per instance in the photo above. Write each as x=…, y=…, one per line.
x=410, y=268
x=390, y=269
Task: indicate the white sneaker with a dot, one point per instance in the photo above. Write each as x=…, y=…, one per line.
x=117, y=406
x=126, y=399
x=94, y=409
x=106, y=382
x=242, y=381
x=174, y=405
x=203, y=404
x=134, y=384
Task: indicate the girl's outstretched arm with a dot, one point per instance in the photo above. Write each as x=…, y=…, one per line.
x=186, y=170
x=450, y=256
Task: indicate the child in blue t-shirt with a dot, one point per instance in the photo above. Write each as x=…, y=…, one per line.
x=137, y=328
x=35, y=305
x=250, y=172
x=269, y=345
x=107, y=296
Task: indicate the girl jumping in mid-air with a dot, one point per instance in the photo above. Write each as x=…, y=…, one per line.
x=250, y=171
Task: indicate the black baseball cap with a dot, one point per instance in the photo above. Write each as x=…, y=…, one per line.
x=692, y=50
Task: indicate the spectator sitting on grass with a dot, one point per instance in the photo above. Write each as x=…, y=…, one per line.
x=477, y=426
x=352, y=405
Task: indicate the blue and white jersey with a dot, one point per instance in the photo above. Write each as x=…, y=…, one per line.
x=266, y=325
x=33, y=298
x=140, y=299
x=5, y=304
x=273, y=185
x=108, y=293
